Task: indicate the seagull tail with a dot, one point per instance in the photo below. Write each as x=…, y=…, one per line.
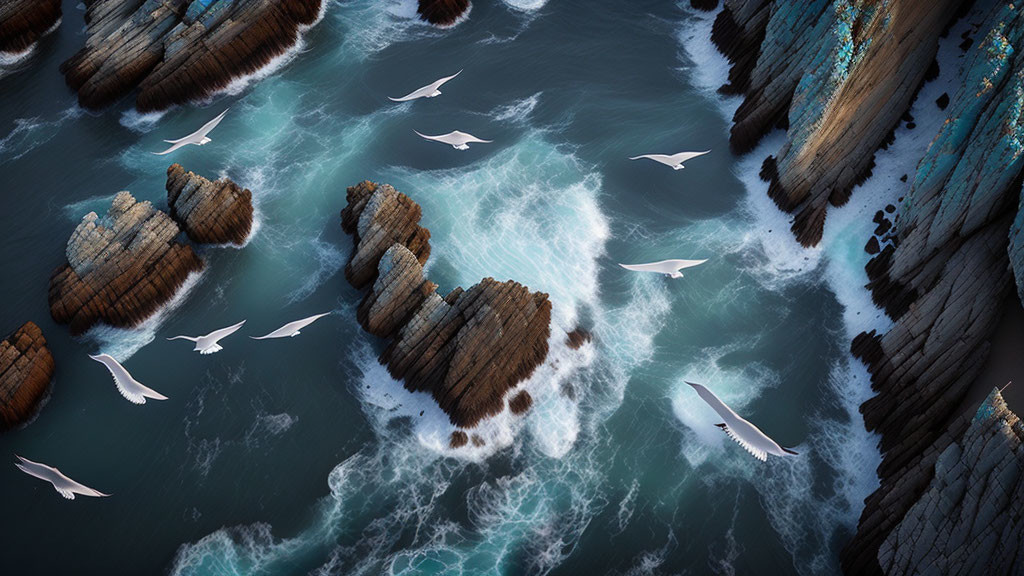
x=788, y=451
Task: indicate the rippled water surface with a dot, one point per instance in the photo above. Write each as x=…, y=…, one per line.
x=302, y=456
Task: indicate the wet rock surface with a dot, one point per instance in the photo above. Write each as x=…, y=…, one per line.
x=467, y=349
x=26, y=369
x=24, y=22
x=442, y=12
x=176, y=51
x=217, y=212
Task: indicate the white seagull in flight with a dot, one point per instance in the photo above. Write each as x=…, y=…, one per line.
x=208, y=344
x=292, y=328
x=129, y=387
x=457, y=140
x=674, y=160
x=744, y=433
x=198, y=137
x=670, y=268
x=428, y=91
x=65, y=486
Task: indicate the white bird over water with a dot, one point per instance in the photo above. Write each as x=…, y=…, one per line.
x=65, y=486
x=428, y=91
x=670, y=268
x=292, y=328
x=673, y=160
x=457, y=140
x=198, y=137
x=129, y=387
x=208, y=344
x=744, y=433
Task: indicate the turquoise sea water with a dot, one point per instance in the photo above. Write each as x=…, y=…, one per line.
x=302, y=456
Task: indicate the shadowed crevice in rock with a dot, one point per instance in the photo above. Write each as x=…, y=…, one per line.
x=467, y=349
x=24, y=22
x=26, y=369
x=176, y=51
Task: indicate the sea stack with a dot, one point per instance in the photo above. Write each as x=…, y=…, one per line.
x=468, y=349
x=26, y=369
x=218, y=212
x=24, y=22
x=176, y=52
x=120, y=269
x=442, y=12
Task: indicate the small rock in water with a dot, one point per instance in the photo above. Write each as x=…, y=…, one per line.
x=942, y=101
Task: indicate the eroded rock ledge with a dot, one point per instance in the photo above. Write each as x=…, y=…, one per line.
x=442, y=12
x=218, y=212
x=123, y=267
x=26, y=368
x=24, y=22
x=174, y=51
x=469, y=348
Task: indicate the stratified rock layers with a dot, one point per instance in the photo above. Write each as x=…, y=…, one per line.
x=23, y=22
x=216, y=212
x=442, y=12
x=26, y=368
x=175, y=51
x=970, y=518
x=120, y=269
x=467, y=349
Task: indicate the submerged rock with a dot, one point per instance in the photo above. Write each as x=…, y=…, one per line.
x=24, y=22
x=26, y=368
x=467, y=349
x=121, y=268
x=442, y=12
x=175, y=51
x=217, y=212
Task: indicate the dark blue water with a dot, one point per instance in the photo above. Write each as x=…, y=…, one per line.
x=302, y=455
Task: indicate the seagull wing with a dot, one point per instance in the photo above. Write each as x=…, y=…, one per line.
x=437, y=84
x=208, y=127
x=291, y=327
x=681, y=264
x=742, y=432
x=663, y=158
x=716, y=403
x=684, y=156
x=434, y=138
x=177, y=145
x=189, y=338
x=754, y=451
x=468, y=138
x=126, y=385
x=223, y=332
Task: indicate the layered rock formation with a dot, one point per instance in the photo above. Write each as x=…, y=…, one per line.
x=174, y=51
x=24, y=22
x=26, y=368
x=442, y=12
x=469, y=348
x=846, y=72
x=120, y=269
x=970, y=517
x=217, y=212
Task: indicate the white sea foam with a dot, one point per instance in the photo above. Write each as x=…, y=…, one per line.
x=10, y=60
x=516, y=112
x=140, y=122
x=525, y=5
x=30, y=133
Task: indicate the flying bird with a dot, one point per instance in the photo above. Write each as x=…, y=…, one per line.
x=458, y=140
x=670, y=268
x=208, y=344
x=428, y=91
x=744, y=433
x=65, y=486
x=198, y=137
x=291, y=328
x=129, y=387
x=673, y=160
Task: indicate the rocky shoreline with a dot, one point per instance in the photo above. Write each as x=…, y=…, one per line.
x=179, y=51
x=24, y=22
x=442, y=12
x=124, y=267
x=839, y=78
x=468, y=349
x=26, y=369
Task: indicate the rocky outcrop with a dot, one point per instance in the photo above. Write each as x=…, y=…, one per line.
x=26, y=368
x=217, y=212
x=121, y=268
x=971, y=515
x=442, y=12
x=24, y=22
x=467, y=349
x=174, y=51
x=846, y=72
x=944, y=278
